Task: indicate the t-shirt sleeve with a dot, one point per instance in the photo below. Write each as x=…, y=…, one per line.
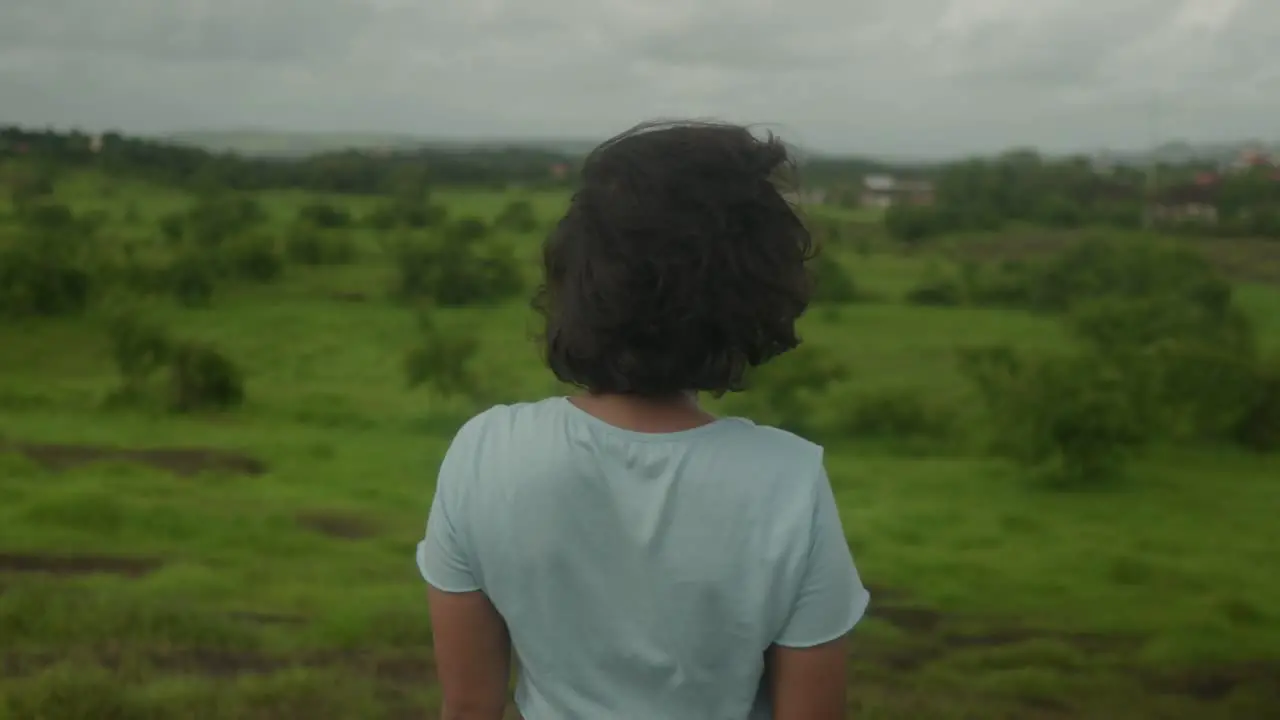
x=831, y=598
x=444, y=558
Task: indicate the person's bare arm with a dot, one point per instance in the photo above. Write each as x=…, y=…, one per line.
x=809, y=683
x=473, y=655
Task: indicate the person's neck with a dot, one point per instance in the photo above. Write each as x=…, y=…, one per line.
x=669, y=413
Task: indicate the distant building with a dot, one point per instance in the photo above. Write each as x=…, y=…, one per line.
x=1193, y=201
x=882, y=191
x=559, y=171
x=1249, y=159
x=95, y=143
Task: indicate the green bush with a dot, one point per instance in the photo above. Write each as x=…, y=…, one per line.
x=1007, y=285
x=191, y=277
x=200, y=377
x=310, y=246
x=173, y=228
x=518, y=216
x=253, y=258
x=1190, y=367
x=911, y=224
x=467, y=230
x=203, y=378
x=1258, y=427
x=217, y=218
x=45, y=274
x=1068, y=420
x=896, y=413
x=31, y=186
x=788, y=391
x=833, y=284
x=139, y=348
x=1101, y=267
x=324, y=215
x=406, y=214
x=937, y=288
x=442, y=360
x=453, y=273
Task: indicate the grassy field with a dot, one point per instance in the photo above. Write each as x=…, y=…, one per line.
x=258, y=564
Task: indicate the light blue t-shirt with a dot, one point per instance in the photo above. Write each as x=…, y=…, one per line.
x=641, y=575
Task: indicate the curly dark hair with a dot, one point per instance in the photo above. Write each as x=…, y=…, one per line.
x=678, y=266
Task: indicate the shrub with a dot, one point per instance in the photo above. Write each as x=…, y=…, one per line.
x=1258, y=427
x=1007, y=285
x=254, y=258
x=1189, y=367
x=203, y=378
x=191, y=279
x=467, y=230
x=139, y=348
x=442, y=360
x=217, y=218
x=832, y=283
x=788, y=391
x=173, y=228
x=324, y=215
x=30, y=187
x=200, y=376
x=310, y=246
x=1068, y=420
x=51, y=217
x=1100, y=267
x=44, y=275
x=406, y=214
x=937, y=289
x=910, y=224
x=452, y=273
x=517, y=216
x=896, y=413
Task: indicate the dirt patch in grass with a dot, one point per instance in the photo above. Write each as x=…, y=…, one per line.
x=1214, y=684
x=52, y=564
x=928, y=636
x=390, y=667
x=941, y=633
x=179, y=461
x=337, y=524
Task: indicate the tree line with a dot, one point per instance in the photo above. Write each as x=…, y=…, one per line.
x=353, y=172
x=1022, y=187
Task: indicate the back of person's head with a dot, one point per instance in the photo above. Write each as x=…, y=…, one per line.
x=678, y=266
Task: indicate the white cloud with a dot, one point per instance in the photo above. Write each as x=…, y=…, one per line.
x=884, y=76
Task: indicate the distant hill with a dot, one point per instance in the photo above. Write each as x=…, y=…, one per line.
x=286, y=144
x=279, y=143
x=1181, y=151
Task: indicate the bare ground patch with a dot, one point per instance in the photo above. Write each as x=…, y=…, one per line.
x=1213, y=684
x=337, y=524
x=391, y=667
x=929, y=636
x=183, y=461
x=67, y=565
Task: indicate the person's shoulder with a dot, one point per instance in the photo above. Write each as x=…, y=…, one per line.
x=501, y=419
x=766, y=440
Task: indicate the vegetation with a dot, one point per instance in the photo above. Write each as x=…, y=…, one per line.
x=222, y=397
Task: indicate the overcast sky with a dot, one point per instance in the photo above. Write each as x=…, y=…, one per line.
x=871, y=76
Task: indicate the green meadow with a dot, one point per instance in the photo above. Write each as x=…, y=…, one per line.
x=257, y=562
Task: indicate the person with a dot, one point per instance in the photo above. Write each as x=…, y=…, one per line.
x=635, y=556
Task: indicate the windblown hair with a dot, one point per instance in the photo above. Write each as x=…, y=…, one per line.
x=678, y=266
